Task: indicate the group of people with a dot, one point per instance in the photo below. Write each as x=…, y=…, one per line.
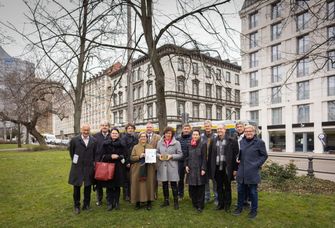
x=201, y=157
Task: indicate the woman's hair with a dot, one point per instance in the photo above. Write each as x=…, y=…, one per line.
x=167, y=129
x=142, y=133
x=129, y=125
x=196, y=130
x=115, y=129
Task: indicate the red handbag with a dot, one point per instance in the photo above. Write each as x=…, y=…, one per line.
x=104, y=171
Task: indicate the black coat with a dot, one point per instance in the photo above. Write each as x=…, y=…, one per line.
x=184, y=143
x=230, y=152
x=129, y=141
x=83, y=171
x=252, y=156
x=100, y=141
x=196, y=161
x=114, y=147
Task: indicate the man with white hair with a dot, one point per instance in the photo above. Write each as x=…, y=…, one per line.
x=82, y=152
x=252, y=156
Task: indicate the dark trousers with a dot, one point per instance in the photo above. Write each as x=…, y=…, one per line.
x=197, y=195
x=113, y=196
x=166, y=189
x=76, y=195
x=181, y=171
x=99, y=193
x=253, y=195
x=223, y=188
x=126, y=186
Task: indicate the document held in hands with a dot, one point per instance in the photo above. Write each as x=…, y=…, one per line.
x=150, y=155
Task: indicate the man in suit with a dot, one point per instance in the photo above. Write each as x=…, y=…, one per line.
x=82, y=150
x=252, y=156
x=101, y=137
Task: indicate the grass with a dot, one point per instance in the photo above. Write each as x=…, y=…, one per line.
x=34, y=193
x=14, y=146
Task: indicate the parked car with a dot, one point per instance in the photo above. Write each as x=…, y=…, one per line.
x=49, y=138
x=65, y=142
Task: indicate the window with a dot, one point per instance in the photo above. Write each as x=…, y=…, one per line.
x=276, y=95
x=149, y=70
x=180, y=107
x=254, y=99
x=134, y=93
x=331, y=60
x=139, y=92
x=218, y=92
x=208, y=71
x=150, y=88
x=150, y=111
x=302, y=21
x=253, y=20
x=135, y=114
x=254, y=115
x=133, y=76
x=303, y=113
x=195, y=87
x=237, y=79
x=228, y=79
x=140, y=113
x=276, y=9
x=302, y=3
x=277, y=116
x=120, y=98
x=218, y=74
x=253, y=82
x=208, y=112
x=228, y=94
x=115, y=99
x=219, y=112
x=115, y=117
x=275, y=53
x=331, y=86
x=276, y=31
x=253, y=40
x=181, y=85
x=331, y=10
x=228, y=114
x=237, y=96
x=253, y=60
x=331, y=110
x=121, y=117
x=195, y=68
x=276, y=74
x=237, y=114
x=303, y=44
x=195, y=110
x=208, y=90
x=331, y=35
x=139, y=74
x=303, y=67
x=303, y=90
x=180, y=64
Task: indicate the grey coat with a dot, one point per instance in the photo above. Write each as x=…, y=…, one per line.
x=252, y=156
x=196, y=160
x=168, y=170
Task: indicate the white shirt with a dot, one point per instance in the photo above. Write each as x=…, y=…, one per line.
x=85, y=139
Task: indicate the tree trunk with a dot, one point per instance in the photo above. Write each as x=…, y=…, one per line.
x=77, y=117
x=19, y=144
x=40, y=139
x=27, y=136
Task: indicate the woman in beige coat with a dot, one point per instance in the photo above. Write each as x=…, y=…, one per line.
x=142, y=175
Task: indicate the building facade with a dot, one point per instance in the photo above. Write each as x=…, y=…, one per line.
x=197, y=87
x=288, y=72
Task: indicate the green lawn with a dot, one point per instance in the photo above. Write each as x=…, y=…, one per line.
x=34, y=193
x=14, y=146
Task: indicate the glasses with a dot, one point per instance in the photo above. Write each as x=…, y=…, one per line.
x=248, y=131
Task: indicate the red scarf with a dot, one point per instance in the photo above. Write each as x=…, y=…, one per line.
x=194, y=143
x=167, y=142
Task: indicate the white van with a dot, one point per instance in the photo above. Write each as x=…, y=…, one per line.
x=49, y=138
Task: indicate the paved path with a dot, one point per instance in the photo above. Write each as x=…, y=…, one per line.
x=321, y=162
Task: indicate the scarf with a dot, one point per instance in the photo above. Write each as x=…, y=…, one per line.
x=194, y=143
x=143, y=168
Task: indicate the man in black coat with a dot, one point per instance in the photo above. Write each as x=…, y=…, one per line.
x=222, y=165
x=82, y=150
x=252, y=156
x=129, y=140
x=101, y=137
x=184, y=139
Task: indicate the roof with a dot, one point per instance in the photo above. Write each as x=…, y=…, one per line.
x=3, y=54
x=248, y=3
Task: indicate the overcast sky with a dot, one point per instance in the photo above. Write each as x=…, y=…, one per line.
x=13, y=12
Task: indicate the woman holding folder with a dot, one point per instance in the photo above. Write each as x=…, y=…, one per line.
x=142, y=174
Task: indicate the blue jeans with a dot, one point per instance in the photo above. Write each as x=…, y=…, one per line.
x=253, y=195
x=208, y=191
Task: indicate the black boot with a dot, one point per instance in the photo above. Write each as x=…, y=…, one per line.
x=138, y=205
x=149, y=206
x=166, y=194
x=175, y=195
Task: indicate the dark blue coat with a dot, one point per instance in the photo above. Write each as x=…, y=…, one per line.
x=184, y=143
x=100, y=141
x=83, y=171
x=252, y=156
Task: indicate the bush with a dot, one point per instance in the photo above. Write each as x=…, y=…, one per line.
x=277, y=175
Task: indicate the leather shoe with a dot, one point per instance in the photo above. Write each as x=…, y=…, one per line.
x=77, y=210
x=199, y=210
x=98, y=203
x=219, y=207
x=252, y=214
x=86, y=208
x=138, y=206
x=237, y=212
x=109, y=207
